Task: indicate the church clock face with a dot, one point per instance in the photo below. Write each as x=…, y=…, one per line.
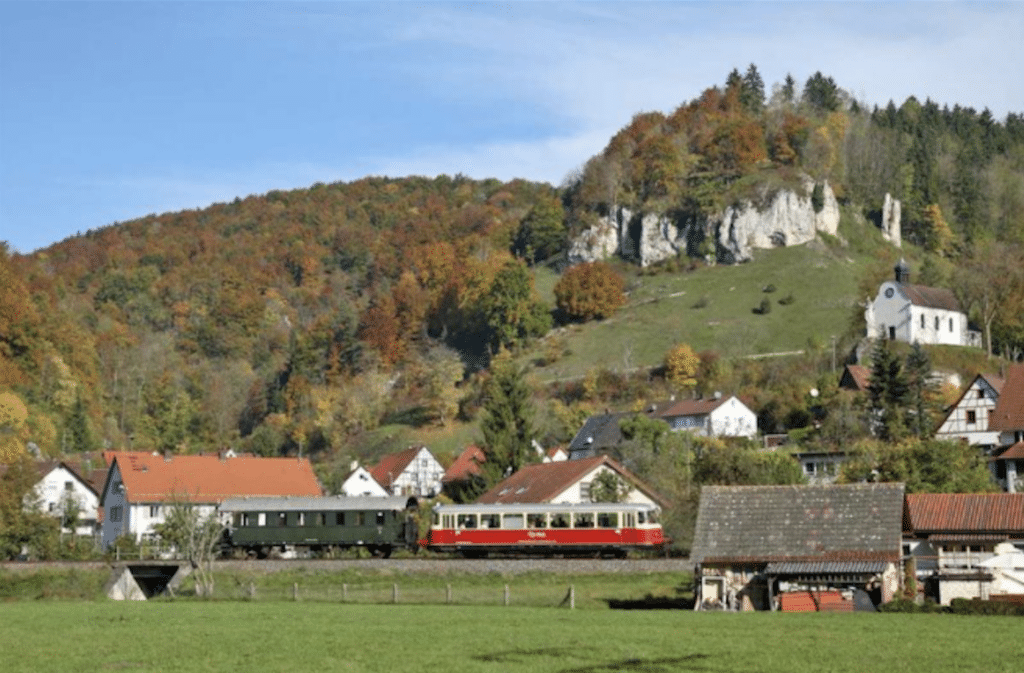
x=889, y=292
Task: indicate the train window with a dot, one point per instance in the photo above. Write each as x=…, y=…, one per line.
x=559, y=520
x=321, y=518
x=261, y=519
x=360, y=518
x=339, y=518
x=584, y=520
x=282, y=518
x=630, y=519
x=608, y=520
x=641, y=517
x=537, y=520
x=245, y=519
x=490, y=521
x=467, y=520
x=380, y=518
x=449, y=521
x=512, y=521
x=300, y=519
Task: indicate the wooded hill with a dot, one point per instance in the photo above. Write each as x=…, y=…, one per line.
x=297, y=321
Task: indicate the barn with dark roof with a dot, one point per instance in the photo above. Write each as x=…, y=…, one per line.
x=837, y=544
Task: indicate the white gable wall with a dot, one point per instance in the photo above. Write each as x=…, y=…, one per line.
x=59, y=486
x=968, y=420
x=733, y=419
x=580, y=491
x=422, y=477
x=361, y=483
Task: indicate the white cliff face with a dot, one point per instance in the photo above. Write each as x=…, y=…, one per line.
x=647, y=238
x=892, y=229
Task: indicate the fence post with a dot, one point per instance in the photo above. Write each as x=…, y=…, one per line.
x=252, y=590
x=506, y=595
x=448, y=594
x=295, y=591
x=344, y=593
x=572, y=596
x=394, y=592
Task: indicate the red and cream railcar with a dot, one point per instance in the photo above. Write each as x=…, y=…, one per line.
x=607, y=529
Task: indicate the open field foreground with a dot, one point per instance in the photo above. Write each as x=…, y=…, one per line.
x=281, y=636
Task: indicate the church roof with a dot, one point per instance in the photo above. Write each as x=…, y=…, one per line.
x=930, y=297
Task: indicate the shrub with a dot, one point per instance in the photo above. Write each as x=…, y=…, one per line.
x=787, y=300
x=769, y=288
x=590, y=290
x=765, y=308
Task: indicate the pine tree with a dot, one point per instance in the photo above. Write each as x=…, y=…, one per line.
x=752, y=91
x=886, y=393
x=921, y=393
x=507, y=421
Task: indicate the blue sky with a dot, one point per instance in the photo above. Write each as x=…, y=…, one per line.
x=113, y=110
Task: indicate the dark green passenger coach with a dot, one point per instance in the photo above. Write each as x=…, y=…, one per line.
x=261, y=526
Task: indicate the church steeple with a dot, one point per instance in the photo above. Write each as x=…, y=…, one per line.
x=902, y=270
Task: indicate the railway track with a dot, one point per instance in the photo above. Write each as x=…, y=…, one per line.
x=435, y=566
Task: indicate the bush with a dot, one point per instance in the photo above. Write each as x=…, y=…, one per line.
x=787, y=300
x=909, y=605
x=976, y=606
x=769, y=288
x=765, y=308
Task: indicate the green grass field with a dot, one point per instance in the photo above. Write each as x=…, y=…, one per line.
x=713, y=309
x=282, y=636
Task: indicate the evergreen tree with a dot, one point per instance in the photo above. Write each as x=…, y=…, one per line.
x=789, y=89
x=79, y=430
x=821, y=93
x=752, y=91
x=507, y=420
x=886, y=393
x=542, y=233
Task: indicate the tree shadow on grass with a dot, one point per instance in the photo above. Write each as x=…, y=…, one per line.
x=647, y=665
x=650, y=603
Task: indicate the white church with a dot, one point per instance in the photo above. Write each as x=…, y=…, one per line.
x=917, y=313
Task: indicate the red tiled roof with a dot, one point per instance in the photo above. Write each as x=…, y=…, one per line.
x=540, y=482
x=466, y=465
x=857, y=377
x=154, y=478
x=1009, y=412
x=931, y=297
x=1014, y=452
x=964, y=512
x=392, y=465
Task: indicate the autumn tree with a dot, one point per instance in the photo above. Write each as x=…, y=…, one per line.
x=990, y=284
x=923, y=465
x=681, y=365
x=607, y=486
x=588, y=291
x=13, y=427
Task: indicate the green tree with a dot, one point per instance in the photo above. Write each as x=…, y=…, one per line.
x=588, y=291
x=752, y=91
x=23, y=528
x=608, y=487
x=507, y=420
x=512, y=312
x=821, y=93
x=79, y=430
x=887, y=393
x=922, y=397
x=924, y=465
x=542, y=233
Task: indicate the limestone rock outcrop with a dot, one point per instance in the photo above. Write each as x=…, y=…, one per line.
x=789, y=219
x=891, y=226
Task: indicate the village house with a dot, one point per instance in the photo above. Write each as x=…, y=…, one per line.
x=414, y=471
x=797, y=547
x=568, y=481
x=951, y=539
x=1007, y=419
x=917, y=314
x=968, y=418
x=360, y=483
x=69, y=489
x=141, y=488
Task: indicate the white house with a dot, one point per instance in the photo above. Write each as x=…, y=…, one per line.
x=567, y=481
x=62, y=489
x=361, y=483
x=141, y=488
x=917, y=314
x=717, y=416
x=414, y=471
x=968, y=418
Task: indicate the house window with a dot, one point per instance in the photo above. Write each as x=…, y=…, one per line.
x=810, y=468
x=116, y=513
x=972, y=417
x=936, y=323
x=154, y=511
x=981, y=394
x=892, y=334
x=69, y=486
x=922, y=321
x=950, y=324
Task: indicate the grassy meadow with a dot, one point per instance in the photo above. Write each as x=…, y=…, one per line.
x=713, y=308
x=283, y=636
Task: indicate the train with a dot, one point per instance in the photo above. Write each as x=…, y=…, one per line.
x=592, y=529
x=286, y=525
x=261, y=527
